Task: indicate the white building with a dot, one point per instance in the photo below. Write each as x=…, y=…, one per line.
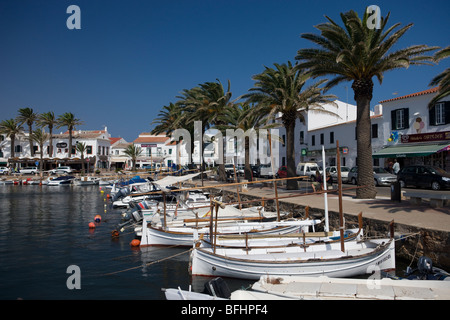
x=118, y=159
x=96, y=155
x=403, y=128
x=416, y=134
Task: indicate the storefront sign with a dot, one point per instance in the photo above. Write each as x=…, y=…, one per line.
x=149, y=145
x=425, y=137
x=61, y=145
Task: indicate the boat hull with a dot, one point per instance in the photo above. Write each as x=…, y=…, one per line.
x=185, y=236
x=360, y=258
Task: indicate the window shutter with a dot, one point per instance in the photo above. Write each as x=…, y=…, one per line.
x=447, y=112
x=405, y=118
x=432, y=115
x=393, y=120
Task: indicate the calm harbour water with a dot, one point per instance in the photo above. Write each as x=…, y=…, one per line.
x=44, y=230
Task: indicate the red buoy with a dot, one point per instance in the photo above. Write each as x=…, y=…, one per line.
x=98, y=218
x=91, y=225
x=135, y=243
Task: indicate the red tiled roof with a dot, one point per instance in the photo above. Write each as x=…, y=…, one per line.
x=150, y=139
x=114, y=140
x=432, y=90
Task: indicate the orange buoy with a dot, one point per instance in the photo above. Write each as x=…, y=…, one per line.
x=107, y=196
x=135, y=243
x=98, y=218
x=91, y=225
x=115, y=234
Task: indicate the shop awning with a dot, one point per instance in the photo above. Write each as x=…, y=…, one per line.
x=417, y=150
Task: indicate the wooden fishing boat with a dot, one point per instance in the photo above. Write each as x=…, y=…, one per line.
x=309, y=260
x=186, y=236
x=256, y=240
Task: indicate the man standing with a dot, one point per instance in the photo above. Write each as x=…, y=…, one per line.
x=396, y=166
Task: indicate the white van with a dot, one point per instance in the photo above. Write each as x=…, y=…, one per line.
x=265, y=171
x=308, y=169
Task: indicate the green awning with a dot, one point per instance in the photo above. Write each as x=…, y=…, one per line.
x=407, y=150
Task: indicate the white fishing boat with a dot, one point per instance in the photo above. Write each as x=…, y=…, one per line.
x=308, y=260
x=324, y=287
x=251, y=241
x=186, y=236
x=62, y=180
x=86, y=181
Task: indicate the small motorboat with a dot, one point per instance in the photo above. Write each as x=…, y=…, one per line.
x=86, y=181
x=63, y=180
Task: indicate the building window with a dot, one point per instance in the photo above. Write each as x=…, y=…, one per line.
x=302, y=137
x=332, y=137
x=440, y=113
x=400, y=119
x=322, y=138
x=374, y=130
x=89, y=149
x=313, y=140
x=18, y=148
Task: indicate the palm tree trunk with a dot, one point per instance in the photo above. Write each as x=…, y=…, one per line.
x=363, y=95
x=50, y=150
x=290, y=154
x=70, y=142
x=247, y=167
x=30, y=140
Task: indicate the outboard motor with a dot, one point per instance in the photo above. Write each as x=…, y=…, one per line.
x=217, y=287
x=425, y=265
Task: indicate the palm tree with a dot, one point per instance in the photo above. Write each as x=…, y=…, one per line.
x=206, y=103
x=48, y=120
x=28, y=116
x=81, y=148
x=241, y=116
x=168, y=121
x=443, y=79
x=282, y=89
x=40, y=137
x=68, y=120
x=11, y=128
x=133, y=152
x=357, y=53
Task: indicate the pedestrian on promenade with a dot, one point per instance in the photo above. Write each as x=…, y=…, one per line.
x=396, y=166
x=317, y=183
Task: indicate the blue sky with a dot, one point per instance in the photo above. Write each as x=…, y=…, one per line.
x=130, y=58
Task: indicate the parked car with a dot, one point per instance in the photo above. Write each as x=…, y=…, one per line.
x=62, y=169
x=265, y=171
x=308, y=169
x=4, y=170
x=282, y=172
x=333, y=170
x=424, y=176
x=29, y=170
x=380, y=175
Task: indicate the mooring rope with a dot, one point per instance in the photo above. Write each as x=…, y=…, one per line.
x=149, y=263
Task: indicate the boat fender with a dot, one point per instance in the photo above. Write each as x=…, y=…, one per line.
x=135, y=243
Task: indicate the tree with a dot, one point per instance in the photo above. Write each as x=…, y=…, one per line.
x=40, y=137
x=68, y=120
x=283, y=89
x=81, y=148
x=358, y=53
x=133, y=152
x=206, y=103
x=48, y=120
x=241, y=116
x=443, y=79
x=11, y=128
x=28, y=116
